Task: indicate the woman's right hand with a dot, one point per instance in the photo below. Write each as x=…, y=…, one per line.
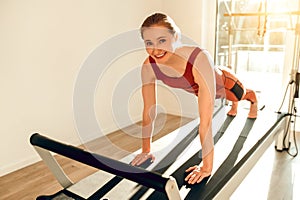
x=141, y=158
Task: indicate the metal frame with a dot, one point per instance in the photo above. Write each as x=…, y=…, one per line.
x=152, y=180
x=147, y=178
x=54, y=167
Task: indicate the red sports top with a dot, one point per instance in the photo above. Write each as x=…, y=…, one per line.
x=186, y=81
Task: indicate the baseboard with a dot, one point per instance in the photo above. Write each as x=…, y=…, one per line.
x=7, y=169
x=18, y=165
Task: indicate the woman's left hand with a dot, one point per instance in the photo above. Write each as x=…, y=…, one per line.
x=197, y=174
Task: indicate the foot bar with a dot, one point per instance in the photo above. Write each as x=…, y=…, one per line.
x=149, y=179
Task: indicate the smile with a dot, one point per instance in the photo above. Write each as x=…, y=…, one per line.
x=159, y=56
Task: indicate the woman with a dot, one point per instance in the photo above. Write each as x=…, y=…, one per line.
x=186, y=67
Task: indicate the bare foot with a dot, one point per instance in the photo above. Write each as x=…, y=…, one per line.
x=253, y=111
x=233, y=111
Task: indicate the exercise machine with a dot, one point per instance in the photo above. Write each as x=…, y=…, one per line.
x=239, y=143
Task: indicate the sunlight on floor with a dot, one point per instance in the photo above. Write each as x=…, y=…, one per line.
x=275, y=176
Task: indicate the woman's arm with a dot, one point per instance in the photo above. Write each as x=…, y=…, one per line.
x=149, y=109
x=149, y=113
x=204, y=76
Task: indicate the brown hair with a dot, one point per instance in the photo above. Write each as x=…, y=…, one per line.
x=162, y=20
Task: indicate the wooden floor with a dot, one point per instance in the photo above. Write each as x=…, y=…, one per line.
x=36, y=179
x=275, y=176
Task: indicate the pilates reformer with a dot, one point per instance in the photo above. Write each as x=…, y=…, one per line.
x=164, y=178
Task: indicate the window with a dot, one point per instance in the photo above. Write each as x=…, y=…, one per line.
x=253, y=37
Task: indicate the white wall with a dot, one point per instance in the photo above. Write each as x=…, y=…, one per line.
x=195, y=18
x=43, y=46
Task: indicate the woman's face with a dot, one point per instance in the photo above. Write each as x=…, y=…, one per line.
x=159, y=42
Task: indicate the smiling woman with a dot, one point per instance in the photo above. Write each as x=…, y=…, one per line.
x=186, y=67
x=161, y=35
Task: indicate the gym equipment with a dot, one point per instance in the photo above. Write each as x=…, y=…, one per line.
x=238, y=147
